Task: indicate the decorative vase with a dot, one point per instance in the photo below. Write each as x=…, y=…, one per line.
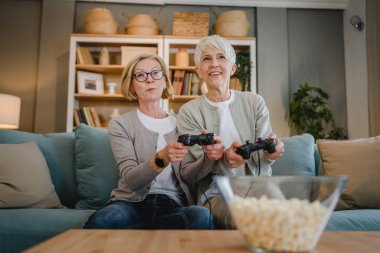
x=182, y=58
x=115, y=113
x=195, y=85
x=111, y=88
x=104, y=57
x=204, y=88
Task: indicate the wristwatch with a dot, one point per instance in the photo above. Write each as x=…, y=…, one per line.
x=160, y=161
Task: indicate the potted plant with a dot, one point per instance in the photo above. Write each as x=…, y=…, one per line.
x=309, y=112
x=243, y=71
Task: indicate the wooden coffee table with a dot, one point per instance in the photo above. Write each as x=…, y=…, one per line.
x=190, y=241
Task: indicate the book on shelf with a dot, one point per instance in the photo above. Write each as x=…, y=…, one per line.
x=86, y=115
x=235, y=84
x=182, y=82
x=84, y=56
x=95, y=117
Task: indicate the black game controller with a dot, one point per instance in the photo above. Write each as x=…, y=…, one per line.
x=201, y=139
x=246, y=149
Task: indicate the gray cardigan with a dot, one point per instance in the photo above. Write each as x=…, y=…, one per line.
x=251, y=118
x=132, y=145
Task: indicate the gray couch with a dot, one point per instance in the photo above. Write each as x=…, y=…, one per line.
x=84, y=172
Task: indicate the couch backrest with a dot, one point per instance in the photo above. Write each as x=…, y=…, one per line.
x=300, y=157
x=59, y=152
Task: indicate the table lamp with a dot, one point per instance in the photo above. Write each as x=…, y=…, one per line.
x=9, y=111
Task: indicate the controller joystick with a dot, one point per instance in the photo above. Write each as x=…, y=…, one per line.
x=201, y=139
x=246, y=149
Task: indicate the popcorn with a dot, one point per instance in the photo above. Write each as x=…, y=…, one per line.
x=279, y=225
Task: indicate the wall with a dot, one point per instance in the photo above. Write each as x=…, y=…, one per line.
x=52, y=77
x=19, y=40
x=316, y=55
x=356, y=73
x=272, y=65
x=51, y=56
x=297, y=46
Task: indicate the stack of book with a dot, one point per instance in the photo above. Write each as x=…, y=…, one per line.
x=84, y=56
x=88, y=116
x=182, y=81
x=235, y=83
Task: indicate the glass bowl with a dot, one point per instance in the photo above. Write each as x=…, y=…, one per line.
x=280, y=214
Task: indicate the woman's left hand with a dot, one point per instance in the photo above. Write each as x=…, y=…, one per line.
x=175, y=151
x=279, y=151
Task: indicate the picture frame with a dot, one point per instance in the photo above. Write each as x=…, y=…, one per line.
x=90, y=83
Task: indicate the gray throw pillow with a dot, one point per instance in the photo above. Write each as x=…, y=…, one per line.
x=25, y=180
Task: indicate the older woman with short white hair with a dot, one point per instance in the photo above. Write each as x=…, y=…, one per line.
x=233, y=116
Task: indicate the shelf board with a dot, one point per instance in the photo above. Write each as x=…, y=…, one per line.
x=123, y=36
x=184, y=98
x=189, y=68
x=111, y=69
x=88, y=97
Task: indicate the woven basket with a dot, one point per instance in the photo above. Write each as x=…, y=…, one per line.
x=143, y=20
x=141, y=30
x=234, y=28
x=235, y=14
x=190, y=23
x=100, y=20
x=232, y=23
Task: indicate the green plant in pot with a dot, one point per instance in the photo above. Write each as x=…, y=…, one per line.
x=243, y=71
x=309, y=112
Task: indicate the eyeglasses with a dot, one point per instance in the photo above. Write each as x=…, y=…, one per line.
x=142, y=76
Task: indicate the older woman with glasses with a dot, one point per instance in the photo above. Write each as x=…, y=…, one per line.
x=150, y=193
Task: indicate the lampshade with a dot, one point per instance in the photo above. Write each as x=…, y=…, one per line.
x=9, y=111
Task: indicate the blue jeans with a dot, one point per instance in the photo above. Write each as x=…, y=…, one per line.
x=156, y=211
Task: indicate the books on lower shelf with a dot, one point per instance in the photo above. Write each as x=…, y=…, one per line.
x=84, y=56
x=182, y=82
x=88, y=116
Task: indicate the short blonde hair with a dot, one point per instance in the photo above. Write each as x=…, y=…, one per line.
x=214, y=41
x=127, y=76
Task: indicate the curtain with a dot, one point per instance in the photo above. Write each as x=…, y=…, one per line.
x=373, y=62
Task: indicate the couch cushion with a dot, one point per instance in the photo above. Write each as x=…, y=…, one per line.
x=23, y=228
x=363, y=219
x=96, y=168
x=298, y=158
x=359, y=160
x=58, y=150
x=24, y=178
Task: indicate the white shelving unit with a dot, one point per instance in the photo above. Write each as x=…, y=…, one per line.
x=166, y=45
x=95, y=42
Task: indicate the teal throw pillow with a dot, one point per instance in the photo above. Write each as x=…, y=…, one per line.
x=96, y=169
x=298, y=158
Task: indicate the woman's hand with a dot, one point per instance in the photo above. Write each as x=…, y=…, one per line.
x=235, y=160
x=174, y=151
x=279, y=151
x=214, y=151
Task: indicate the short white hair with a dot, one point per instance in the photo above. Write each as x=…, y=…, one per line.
x=214, y=41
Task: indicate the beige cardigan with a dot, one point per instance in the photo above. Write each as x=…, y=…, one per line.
x=251, y=118
x=132, y=145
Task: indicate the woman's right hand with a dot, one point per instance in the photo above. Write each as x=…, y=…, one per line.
x=234, y=160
